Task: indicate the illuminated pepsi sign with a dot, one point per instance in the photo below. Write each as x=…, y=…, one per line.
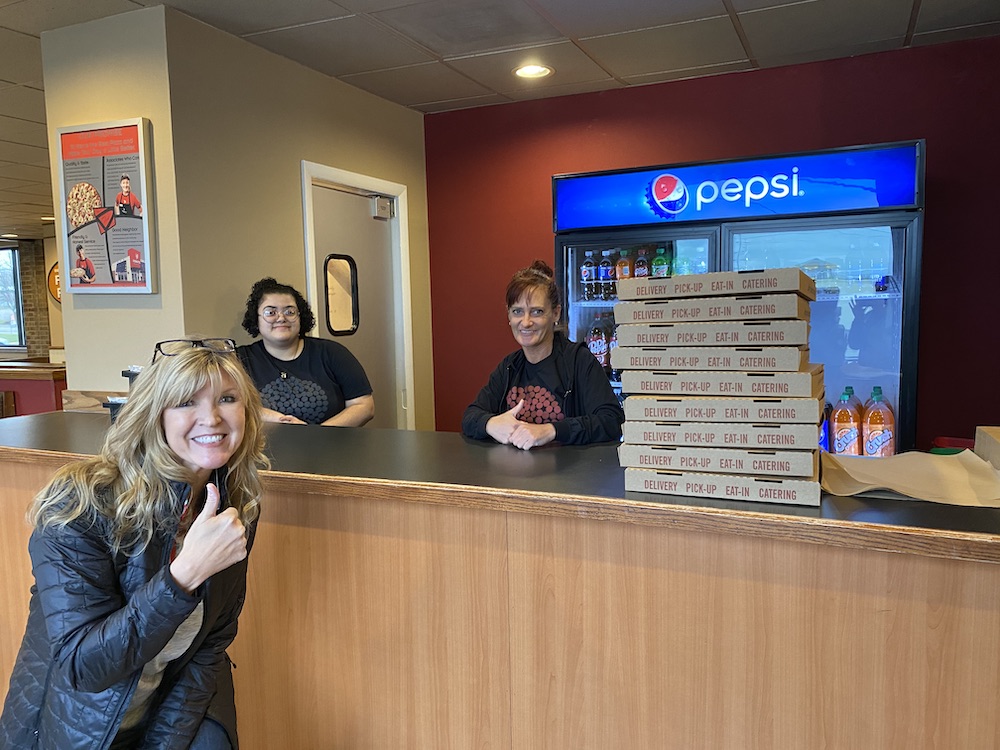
x=863, y=179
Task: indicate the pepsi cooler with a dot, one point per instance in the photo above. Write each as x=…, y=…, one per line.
x=850, y=218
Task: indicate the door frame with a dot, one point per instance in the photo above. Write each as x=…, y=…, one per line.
x=314, y=174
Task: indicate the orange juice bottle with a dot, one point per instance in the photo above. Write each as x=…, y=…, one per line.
x=624, y=268
x=845, y=428
x=879, y=428
x=878, y=389
x=856, y=402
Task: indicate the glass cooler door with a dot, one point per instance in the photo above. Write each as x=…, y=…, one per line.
x=857, y=321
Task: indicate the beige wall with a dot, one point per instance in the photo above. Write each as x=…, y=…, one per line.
x=231, y=124
x=82, y=66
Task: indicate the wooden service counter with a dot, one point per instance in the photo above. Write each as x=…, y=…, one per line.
x=420, y=590
x=36, y=386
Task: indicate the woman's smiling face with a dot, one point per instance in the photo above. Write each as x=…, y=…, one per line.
x=207, y=429
x=532, y=320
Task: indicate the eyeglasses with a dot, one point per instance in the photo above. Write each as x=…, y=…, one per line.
x=270, y=313
x=174, y=347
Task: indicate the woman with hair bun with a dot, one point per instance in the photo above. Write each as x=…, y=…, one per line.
x=551, y=389
x=302, y=380
x=139, y=556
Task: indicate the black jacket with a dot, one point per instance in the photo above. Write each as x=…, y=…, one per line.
x=593, y=414
x=95, y=618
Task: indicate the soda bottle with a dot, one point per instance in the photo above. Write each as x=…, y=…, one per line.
x=855, y=401
x=606, y=276
x=597, y=341
x=845, y=428
x=641, y=265
x=879, y=429
x=661, y=263
x=588, y=277
x=877, y=389
x=824, y=428
x=612, y=330
x=624, y=268
x=682, y=266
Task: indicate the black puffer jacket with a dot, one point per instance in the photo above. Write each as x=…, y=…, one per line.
x=94, y=620
x=593, y=414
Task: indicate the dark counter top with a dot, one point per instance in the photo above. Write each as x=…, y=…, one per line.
x=449, y=458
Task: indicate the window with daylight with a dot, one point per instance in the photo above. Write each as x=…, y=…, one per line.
x=11, y=322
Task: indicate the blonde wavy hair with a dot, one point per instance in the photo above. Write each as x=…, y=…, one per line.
x=128, y=483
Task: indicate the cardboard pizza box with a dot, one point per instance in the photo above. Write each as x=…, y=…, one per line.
x=805, y=384
x=727, y=487
x=702, y=409
x=723, y=435
x=762, y=307
x=768, y=281
x=745, y=358
x=716, y=333
x=987, y=445
x=804, y=464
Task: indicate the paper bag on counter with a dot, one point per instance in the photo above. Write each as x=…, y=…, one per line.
x=958, y=479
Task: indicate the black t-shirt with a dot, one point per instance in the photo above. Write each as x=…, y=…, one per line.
x=542, y=390
x=314, y=386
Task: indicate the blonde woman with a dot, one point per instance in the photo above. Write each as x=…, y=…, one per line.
x=139, y=557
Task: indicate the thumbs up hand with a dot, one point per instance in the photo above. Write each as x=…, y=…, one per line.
x=502, y=425
x=213, y=543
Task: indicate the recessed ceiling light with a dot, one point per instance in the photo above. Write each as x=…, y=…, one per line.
x=9, y=236
x=533, y=71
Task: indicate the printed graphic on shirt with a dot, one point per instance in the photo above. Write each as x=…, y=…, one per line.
x=540, y=405
x=301, y=398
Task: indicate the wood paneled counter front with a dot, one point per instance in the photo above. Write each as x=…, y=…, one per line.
x=421, y=590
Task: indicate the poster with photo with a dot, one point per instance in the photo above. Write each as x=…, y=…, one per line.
x=106, y=208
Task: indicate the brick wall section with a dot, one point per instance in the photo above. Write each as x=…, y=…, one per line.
x=34, y=288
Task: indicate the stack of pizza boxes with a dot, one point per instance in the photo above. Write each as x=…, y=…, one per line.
x=721, y=400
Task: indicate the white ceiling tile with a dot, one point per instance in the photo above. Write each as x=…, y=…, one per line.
x=246, y=16
x=24, y=102
x=937, y=15
x=18, y=152
x=8, y=183
x=568, y=89
x=24, y=170
x=23, y=131
x=429, y=82
x=22, y=57
x=31, y=188
x=578, y=19
x=361, y=46
x=823, y=26
x=458, y=27
x=35, y=16
x=677, y=47
x=371, y=6
x=495, y=70
x=451, y=105
x=808, y=56
x=683, y=73
x=955, y=35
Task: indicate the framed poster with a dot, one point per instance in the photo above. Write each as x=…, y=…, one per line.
x=106, y=208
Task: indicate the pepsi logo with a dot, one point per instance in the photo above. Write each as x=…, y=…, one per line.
x=668, y=195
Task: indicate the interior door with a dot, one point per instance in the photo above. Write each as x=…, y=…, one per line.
x=344, y=225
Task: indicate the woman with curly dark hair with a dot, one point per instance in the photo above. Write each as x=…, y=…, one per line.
x=302, y=380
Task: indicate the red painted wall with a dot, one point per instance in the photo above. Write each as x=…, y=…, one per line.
x=489, y=189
